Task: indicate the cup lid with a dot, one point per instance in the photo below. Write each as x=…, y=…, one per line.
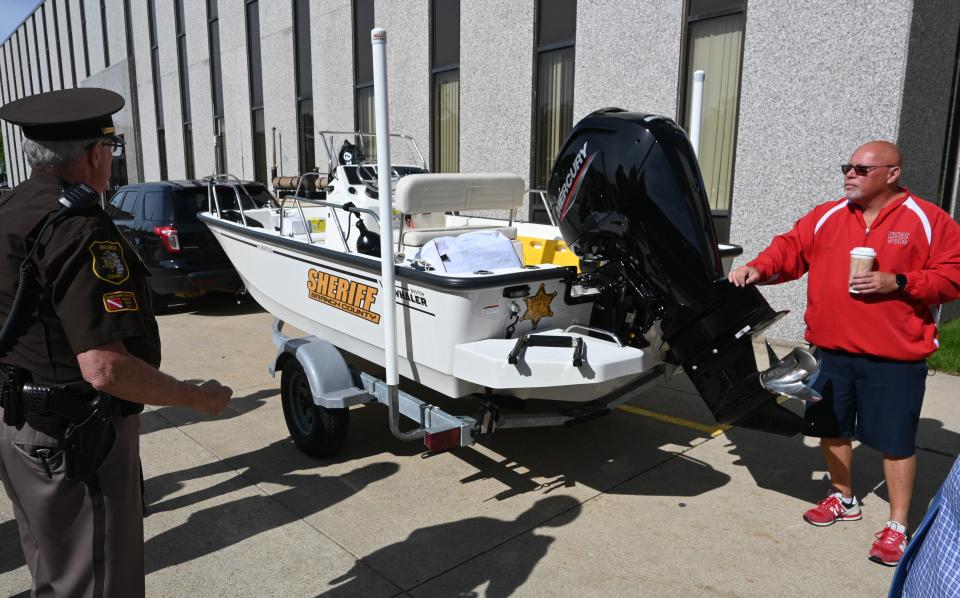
x=864, y=251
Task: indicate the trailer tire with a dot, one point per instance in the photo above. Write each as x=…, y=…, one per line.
x=317, y=431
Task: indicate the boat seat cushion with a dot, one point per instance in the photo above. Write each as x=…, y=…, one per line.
x=482, y=250
x=418, y=237
x=456, y=192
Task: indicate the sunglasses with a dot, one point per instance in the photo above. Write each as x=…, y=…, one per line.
x=862, y=169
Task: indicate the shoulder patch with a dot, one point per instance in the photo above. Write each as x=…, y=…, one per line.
x=120, y=301
x=108, y=263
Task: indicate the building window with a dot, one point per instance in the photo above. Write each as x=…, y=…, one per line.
x=553, y=100
x=216, y=86
x=157, y=93
x=363, y=65
x=11, y=92
x=183, y=67
x=56, y=36
x=46, y=45
x=301, y=47
x=255, y=68
x=103, y=30
x=73, y=61
x=715, y=46
x=445, y=57
x=83, y=36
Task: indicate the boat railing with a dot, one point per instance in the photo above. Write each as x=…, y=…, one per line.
x=546, y=204
x=231, y=181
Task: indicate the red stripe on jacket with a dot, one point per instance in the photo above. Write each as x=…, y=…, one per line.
x=911, y=236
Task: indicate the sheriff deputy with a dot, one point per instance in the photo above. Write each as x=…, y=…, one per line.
x=79, y=352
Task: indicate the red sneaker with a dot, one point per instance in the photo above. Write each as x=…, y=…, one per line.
x=889, y=546
x=830, y=510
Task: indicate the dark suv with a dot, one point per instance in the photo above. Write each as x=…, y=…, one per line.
x=181, y=254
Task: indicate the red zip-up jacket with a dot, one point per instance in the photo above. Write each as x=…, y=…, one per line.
x=911, y=236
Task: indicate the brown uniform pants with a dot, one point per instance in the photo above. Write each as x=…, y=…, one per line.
x=78, y=540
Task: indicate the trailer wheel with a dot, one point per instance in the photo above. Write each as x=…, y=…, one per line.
x=317, y=431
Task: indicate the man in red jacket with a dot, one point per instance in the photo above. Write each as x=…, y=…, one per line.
x=874, y=330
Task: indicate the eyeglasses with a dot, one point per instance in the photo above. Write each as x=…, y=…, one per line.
x=862, y=169
x=115, y=144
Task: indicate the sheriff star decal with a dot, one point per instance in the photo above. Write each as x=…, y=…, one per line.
x=538, y=306
x=120, y=301
x=108, y=263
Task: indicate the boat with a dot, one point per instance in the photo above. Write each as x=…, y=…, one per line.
x=621, y=290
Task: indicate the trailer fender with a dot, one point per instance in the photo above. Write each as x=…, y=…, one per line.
x=331, y=382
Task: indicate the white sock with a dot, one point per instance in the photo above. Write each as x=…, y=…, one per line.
x=897, y=527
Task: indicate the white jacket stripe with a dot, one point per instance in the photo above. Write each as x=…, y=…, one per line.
x=824, y=218
x=923, y=218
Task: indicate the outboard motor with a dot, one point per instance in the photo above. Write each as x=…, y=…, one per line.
x=628, y=197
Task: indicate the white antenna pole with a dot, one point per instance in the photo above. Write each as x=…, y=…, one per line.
x=378, y=38
x=696, y=111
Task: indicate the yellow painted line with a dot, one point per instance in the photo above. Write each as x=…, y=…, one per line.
x=713, y=431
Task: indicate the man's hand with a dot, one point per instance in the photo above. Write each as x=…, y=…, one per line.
x=879, y=283
x=213, y=397
x=744, y=275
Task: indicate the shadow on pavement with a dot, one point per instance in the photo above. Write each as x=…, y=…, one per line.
x=213, y=304
x=11, y=555
x=413, y=561
x=788, y=466
x=163, y=418
x=234, y=521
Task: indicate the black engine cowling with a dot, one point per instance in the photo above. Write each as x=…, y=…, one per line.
x=628, y=196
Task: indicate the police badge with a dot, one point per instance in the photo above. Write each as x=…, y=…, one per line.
x=108, y=263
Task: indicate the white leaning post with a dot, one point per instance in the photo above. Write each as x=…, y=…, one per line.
x=696, y=111
x=378, y=39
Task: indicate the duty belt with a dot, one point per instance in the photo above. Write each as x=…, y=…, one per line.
x=47, y=408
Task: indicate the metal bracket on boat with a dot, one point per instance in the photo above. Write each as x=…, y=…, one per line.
x=613, y=336
x=547, y=340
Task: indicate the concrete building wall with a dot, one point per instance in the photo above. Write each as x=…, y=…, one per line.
x=236, y=89
x=36, y=70
x=279, y=86
x=496, y=83
x=408, y=68
x=170, y=85
x=635, y=44
x=94, y=35
x=21, y=90
x=117, y=78
x=802, y=113
x=148, y=120
x=77, y=36
x=43, y=56
x=201, y=100
x=331, y=27
x=56, y=61
x=66, y=45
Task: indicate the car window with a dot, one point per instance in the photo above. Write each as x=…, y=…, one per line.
x=131, y=201
x=154, y=207
x=187, y=203
x=113, y=208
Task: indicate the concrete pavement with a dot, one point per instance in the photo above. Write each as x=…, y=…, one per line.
x=626, y=505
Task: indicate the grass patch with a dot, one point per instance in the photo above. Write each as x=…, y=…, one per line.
x=947, y=357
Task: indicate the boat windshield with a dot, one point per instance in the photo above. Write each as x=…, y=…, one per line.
x=360, y=149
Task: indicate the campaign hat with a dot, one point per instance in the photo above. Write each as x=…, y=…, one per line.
x=65, y=115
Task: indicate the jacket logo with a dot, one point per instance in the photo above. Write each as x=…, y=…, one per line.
x=120, y=301
x=108, y=264
x=896, y=238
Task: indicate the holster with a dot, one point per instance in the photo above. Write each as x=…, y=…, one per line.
x=86, y=443
x=82, y=421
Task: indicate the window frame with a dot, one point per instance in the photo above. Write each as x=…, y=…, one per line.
x=360, y=86
x=157, y=90
x=103, y=30
x=258, y=144
x=303, y=87
x=535, y=209
x=436, y=71
x=721, y=218
x=183, y=69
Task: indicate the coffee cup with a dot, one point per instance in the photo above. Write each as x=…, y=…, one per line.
x=861, y=260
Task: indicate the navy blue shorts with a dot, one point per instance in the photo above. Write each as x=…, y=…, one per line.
x=877, y=401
